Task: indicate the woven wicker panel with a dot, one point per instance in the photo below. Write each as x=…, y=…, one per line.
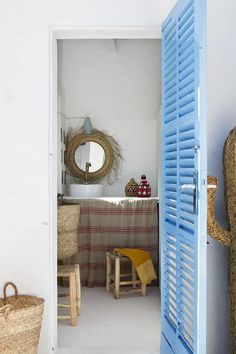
x=227, y=237
x=213, y=228
x=230, y=198
x=67, y=230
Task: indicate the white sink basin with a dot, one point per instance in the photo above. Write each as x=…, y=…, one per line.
x=85, y=190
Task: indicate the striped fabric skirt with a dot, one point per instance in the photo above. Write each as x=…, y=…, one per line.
x=105, y=225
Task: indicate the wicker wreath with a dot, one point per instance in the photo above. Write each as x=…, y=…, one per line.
x=72, y=146
x=111, y=169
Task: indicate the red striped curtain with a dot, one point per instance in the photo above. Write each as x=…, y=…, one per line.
x=105, y=225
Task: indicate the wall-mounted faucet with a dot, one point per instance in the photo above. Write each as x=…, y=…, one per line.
x=88, y=164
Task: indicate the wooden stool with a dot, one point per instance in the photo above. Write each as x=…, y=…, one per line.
x=113, y=278
x=73, y=273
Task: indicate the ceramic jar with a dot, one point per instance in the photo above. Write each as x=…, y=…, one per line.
x=144, y=188
x=131, y=188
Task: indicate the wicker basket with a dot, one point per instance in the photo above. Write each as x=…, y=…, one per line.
x=67, y=230
x=20, y=322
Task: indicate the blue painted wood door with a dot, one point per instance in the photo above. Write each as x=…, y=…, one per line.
x=184, y=190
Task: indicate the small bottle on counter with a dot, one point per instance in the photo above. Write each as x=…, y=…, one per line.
x=131, y=188
x=144, y=188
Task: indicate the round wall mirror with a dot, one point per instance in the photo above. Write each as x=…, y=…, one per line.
x=90, y=153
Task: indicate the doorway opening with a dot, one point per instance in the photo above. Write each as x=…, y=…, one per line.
x=113, y=76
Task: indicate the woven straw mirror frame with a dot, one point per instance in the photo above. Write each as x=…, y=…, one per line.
x=76, y=171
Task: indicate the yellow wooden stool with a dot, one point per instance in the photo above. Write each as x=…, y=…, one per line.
x=113, y=276
x=73, y=273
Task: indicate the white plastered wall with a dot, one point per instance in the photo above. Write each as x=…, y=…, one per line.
x=24, y=136
x=118, y=85
x=25, y=250
x=221, y=119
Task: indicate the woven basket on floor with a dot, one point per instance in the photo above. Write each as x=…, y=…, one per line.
x=20, y=322
x=67, y=230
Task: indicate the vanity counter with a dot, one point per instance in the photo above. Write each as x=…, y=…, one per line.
x=110, y=199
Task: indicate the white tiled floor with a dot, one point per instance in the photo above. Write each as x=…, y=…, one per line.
x=130, y=325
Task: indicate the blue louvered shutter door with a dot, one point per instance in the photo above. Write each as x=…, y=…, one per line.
x=184, y=194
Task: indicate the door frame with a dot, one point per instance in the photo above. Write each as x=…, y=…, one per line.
x=74, y=32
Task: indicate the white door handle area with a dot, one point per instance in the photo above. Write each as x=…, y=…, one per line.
x=192, y=187
x=186, y=186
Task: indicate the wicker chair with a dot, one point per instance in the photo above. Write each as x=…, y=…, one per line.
x=67, y=246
